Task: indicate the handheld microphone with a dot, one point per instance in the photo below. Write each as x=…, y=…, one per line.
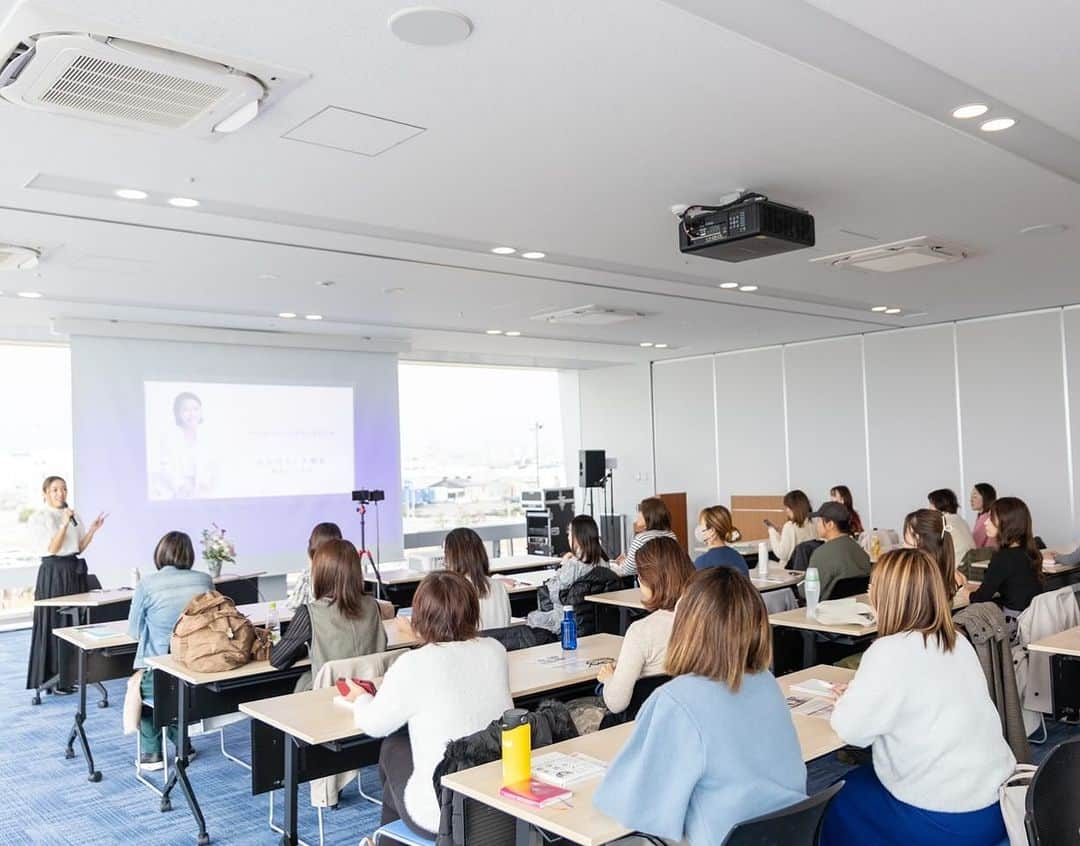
x=74, y=522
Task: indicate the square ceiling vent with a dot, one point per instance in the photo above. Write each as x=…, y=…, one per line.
x=590, y=315
x=352, y=132
x=912, y=253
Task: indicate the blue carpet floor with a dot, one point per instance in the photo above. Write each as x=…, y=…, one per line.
x=46, y=800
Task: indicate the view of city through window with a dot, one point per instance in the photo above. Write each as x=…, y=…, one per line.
x=35, y=441
x=472, y=438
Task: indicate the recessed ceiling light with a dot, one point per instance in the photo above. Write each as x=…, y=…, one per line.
x=997, y=124
x=312, y=317
x=533, y=254
x=879, y=308
x=513, y=334
x=748, y=288
x=503, y=251
x=288, y=315
x=660, y=346
x=325, y=283
x=892, y=311
x=183, y=202
x=130, y=194
x=494, y=332
x=729, y=285
x=645, y=344
x=971, y=110
x=30, y=295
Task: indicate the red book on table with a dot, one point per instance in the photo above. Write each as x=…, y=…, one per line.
x=535, y=793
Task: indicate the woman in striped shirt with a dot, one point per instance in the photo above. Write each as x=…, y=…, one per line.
x=653, y=520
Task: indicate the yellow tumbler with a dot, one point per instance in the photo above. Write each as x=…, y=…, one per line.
x=516, y=746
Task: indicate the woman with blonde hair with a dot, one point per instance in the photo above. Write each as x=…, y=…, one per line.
x=715, y=530
x=719, y=655
x=920, y=700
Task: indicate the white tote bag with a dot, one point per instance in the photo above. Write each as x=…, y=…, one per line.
x=133, y=703
x=1013, y=796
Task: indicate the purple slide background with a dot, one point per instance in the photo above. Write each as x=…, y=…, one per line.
x=270, y=532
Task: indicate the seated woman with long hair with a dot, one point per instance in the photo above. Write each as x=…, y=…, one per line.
x=466, y=554
x=342, y=621
x=920, y=701
x=716, y=744
x=664, y=570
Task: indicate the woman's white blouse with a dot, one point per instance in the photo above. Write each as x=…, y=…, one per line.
x=44, y=525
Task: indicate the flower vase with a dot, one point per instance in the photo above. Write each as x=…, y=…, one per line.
x=214, y=567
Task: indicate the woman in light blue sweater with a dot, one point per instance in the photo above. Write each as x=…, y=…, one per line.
x=692, y=770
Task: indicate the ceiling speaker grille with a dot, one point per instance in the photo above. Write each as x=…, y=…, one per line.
x=102, y=87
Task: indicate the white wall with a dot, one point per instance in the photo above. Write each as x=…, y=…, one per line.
x=891, y=414
x=616, y=416
x=685, y=438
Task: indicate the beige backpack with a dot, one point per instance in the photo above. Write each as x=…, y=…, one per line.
x=211, y=636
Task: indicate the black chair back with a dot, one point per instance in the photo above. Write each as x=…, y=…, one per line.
x=851, y=586
x=796, y=825
x=643, y=689
x=800, y=558
x=1053, y=814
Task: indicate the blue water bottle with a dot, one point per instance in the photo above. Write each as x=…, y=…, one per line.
x=569, y=628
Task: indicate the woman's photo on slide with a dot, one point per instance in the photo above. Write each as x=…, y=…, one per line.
x=185, y=466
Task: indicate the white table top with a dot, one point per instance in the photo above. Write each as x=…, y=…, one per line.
x=312, y=717
x=77, y=636
x=631, y=597
x=398, y=573
x=399, y=634
x=1062, y=643
x=582, y=823
x=1050, y=567
x=796, y=618
x=99, y=598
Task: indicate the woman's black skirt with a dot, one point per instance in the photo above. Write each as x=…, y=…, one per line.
x=58, y=575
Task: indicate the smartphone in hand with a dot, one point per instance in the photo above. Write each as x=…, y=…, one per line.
x=343, y=686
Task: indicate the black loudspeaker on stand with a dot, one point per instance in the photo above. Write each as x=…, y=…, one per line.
x=592, y=468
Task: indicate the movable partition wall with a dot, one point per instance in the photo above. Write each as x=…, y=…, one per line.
x=891, y=414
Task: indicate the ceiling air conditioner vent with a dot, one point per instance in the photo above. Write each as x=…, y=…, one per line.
x=130, y=83
x=909, y=254
x=590, y=315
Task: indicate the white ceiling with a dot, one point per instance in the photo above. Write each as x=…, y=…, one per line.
x=570, y=128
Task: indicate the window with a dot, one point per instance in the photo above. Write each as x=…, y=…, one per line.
x=35, y=442
x=472, y=439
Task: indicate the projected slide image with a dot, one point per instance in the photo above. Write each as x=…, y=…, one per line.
x=208, y=440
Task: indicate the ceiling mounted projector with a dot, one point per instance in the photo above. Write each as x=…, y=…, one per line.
x=908, y=254
x=18, y=258
x=50, y=63
x=747, y=228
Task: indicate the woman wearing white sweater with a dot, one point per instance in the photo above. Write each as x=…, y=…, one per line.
x=452, y=686
x=920, y=700
x=664, y=570
x=798, y=528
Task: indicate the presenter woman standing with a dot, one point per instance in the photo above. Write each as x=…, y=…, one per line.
x=61, y=537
